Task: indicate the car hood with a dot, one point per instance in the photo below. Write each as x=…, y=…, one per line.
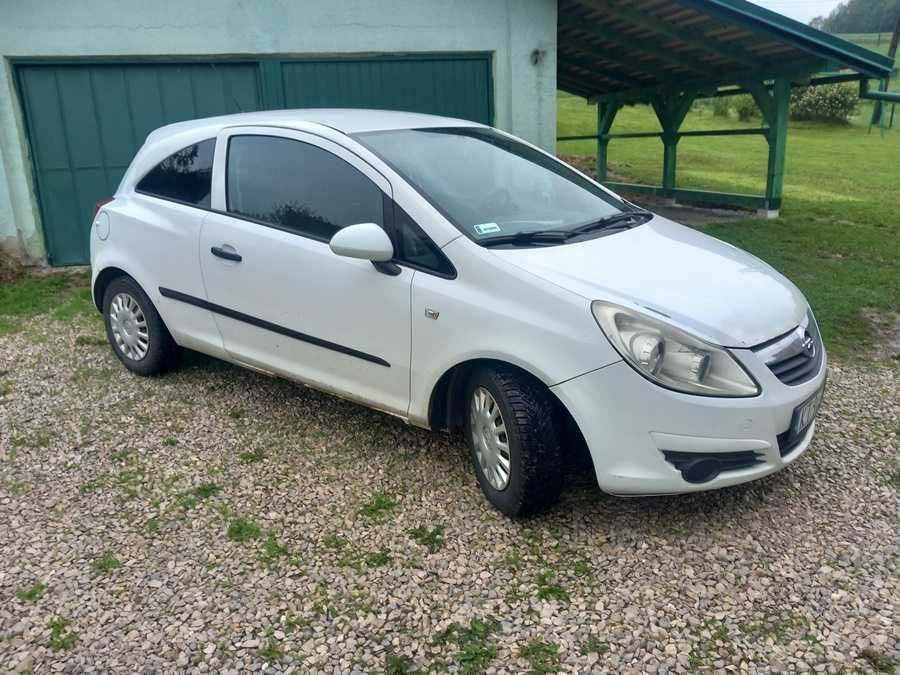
x=712, y=289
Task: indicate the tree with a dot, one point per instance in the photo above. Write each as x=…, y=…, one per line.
x=860, y=16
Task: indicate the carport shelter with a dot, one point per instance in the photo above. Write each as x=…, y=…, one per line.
x=667, y=53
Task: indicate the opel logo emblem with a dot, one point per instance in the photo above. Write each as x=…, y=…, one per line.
x=809, y=345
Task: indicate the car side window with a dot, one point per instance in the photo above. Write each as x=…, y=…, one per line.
x=185, y=176
x=298, y=187
x=412, y=246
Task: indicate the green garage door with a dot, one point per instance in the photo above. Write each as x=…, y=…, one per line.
x=451, y=85
x=85, y=122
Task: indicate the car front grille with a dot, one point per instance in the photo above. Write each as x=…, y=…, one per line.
x=794, y=358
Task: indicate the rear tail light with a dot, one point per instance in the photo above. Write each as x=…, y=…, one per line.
x=99, y=205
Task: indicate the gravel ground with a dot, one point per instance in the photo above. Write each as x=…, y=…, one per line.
x=215, y=520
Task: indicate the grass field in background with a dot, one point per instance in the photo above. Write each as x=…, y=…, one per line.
x=838, y=237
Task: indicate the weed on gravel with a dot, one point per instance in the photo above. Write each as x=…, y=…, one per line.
x=243, y=531
x=32, y=593
x=882, y=663
x=378, y=506
x=542, y=657
x=107, y=563
x=191, y=498
x=397, y=664
x=548, y=588
x=62, y=637
x=431, y=539
x=474, y=651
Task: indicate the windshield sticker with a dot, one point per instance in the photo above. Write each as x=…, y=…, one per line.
x=486, y=228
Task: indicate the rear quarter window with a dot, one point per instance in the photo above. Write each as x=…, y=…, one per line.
x=184, y=176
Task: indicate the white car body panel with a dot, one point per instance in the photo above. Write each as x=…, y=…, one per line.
x=705, y=286
x=529, y=307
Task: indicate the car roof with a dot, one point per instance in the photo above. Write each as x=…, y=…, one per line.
x=345, y=120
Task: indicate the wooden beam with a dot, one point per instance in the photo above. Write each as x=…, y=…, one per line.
x=638, y=45
x=613, y=72
x=692, y=36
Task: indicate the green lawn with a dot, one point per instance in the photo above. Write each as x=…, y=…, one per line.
x=838, y=237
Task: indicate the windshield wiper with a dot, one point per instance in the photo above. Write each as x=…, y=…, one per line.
x=616, y=219
x=533, y=237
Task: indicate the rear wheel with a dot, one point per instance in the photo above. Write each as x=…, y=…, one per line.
x=511, y=425
x=137, y=334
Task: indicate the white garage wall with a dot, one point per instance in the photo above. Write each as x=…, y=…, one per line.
x=524, y=93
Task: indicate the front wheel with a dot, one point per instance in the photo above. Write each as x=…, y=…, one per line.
x=511, y=425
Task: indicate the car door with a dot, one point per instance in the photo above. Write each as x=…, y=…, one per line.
x=283, y=301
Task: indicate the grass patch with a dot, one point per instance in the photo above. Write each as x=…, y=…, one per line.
x=190, y=499
x=397, y=664
x=62, y=637
x=243, y=531
x=593, y=645
x=881, y=663
x=548, y=588
x=893, y=479
x=251, y=457
x=781, y=629
x=5, y=388
x=32, y=593
x=32, y=295
x=838, y=237
x=432, y=539
x=271, y=651
x=543, y=657
x=169, y=441
x=106, y=564
x=378, y=507
x=152, y=525
x=272, y=551
x=378, y=558
x=474, y=652
x=90, y=341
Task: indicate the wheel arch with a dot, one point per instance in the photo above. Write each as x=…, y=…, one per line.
x=446, y=407
x=102, y=282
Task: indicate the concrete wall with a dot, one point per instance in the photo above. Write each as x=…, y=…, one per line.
x=524, y=94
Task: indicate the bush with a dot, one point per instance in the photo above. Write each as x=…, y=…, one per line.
x=745, y=107
x=825, y=103
x=721, y=106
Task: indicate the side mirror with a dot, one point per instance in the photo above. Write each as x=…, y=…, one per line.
x=366, y=241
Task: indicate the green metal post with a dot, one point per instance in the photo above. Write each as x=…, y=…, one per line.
x=606, y=114
x=781, y=101
x=671, y=111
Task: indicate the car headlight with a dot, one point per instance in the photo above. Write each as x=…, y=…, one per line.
x=670, y=357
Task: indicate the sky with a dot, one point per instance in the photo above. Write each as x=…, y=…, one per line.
x=801, y=10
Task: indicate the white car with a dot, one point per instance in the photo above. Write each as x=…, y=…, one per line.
x=454, y=276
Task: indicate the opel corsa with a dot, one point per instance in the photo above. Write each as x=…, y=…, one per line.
x=459, y=278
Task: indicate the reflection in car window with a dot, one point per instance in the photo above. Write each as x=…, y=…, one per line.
x=185, y=176
x=488, y=184
x=411, y=245
x=297, y=186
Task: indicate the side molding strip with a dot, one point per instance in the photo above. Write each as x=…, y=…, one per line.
x=266, y=325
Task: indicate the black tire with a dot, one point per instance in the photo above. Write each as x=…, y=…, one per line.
x=161, y=351
x=533, y=437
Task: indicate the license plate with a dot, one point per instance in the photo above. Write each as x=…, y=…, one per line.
x=806, y=412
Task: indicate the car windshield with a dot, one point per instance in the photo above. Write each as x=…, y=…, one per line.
x=490, y=185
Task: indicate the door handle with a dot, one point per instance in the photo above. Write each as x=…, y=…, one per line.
x=220, y=252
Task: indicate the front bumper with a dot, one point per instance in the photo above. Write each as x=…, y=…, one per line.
x=628, y=423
